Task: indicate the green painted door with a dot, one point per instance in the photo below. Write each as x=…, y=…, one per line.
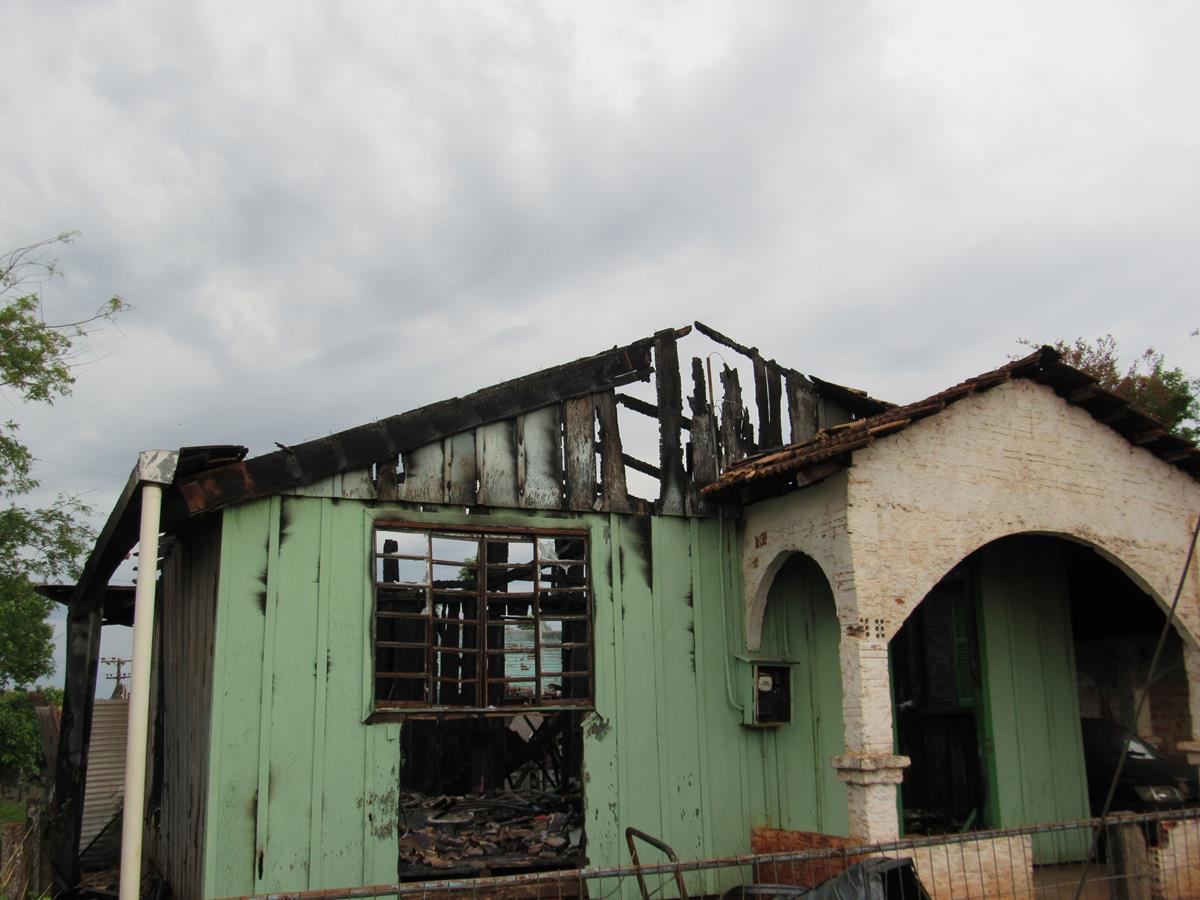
x=801, y=626
x=1032, y=746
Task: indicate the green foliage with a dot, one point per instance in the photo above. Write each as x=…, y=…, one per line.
x=11, y=812
x=20, y=742
x=46, y=543
x=1160, y=391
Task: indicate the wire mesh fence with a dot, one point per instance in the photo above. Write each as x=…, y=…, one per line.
x=1152, y=856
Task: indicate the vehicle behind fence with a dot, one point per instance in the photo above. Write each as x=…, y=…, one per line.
x=1137, y=856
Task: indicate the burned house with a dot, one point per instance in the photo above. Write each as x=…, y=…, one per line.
x=456, y=642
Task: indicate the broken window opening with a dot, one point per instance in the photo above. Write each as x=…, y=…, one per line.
x=469, y=621
x=491, y=794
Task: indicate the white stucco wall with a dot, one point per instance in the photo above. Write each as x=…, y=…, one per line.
x=1017, y=458
x=1014, y=459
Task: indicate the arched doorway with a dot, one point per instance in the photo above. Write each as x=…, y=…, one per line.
x=801, y=631
x=993, y=671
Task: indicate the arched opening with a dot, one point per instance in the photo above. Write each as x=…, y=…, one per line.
x=801, y=633
x=994, y=671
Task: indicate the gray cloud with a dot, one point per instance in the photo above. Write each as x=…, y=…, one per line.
x=324, y=214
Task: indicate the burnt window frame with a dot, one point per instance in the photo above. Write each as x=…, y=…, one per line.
x=483, y=536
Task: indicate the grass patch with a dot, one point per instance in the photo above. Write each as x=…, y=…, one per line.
x=11, y=811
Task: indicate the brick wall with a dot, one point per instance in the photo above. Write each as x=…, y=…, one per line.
x=1175, y=862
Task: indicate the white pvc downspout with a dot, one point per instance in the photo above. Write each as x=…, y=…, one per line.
x=155, y=468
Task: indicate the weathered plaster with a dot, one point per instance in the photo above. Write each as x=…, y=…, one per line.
x=1015, y=459
x=812, y=522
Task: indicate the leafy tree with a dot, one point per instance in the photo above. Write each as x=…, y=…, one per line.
x=20, y=740
x=36, y=543
x=1163, y=392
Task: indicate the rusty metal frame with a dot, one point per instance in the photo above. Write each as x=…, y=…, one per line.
x=481, y=681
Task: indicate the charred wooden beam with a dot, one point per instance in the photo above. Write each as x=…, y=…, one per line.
x=1079, y=394
x=579, y=452
x=761, y=402
x=640, y=466
x=704, y=463
x=802, y=406
x=749, y=352
x=672, y=491
x=734, y=420
x=84, y=619
x=773, y=430
x=646, y=409
x=367, y=444
x=612, y=467
x=1147, y=436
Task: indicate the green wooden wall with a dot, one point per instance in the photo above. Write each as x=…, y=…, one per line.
x=1033, y=748
x=303, y=794
x=801, y=627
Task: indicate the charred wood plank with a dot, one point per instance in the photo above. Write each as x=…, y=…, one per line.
x=704, y=464
x=75, y=729
x=729, y=342
x=367, y=444
x=773, y=429
x=761, y=403
x=734, y=419
x=612, y=466
x=424, y=474
x=641, y=466
x=539, y=459
x=496, y=464
x=459, y=473
x=646, y=409
x=388, y=480
x=579, y=452
x=672, y=490
x=802, y=406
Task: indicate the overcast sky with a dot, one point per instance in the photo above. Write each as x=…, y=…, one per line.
x=324, y=214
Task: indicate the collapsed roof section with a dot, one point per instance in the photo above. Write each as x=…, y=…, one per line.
x=552, y=440
x=806, y=462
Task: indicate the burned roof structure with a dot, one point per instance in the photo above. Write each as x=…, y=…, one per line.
x=812, y=459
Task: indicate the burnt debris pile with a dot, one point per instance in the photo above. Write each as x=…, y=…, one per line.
x=496, y=829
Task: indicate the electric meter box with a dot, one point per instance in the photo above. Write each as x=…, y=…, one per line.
x=768, y=701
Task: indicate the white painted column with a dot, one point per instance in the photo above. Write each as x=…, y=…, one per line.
x=869, y=768
x=155, y=469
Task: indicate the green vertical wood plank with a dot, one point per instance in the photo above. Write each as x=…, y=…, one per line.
x=826, y=679
x=700, y=698
x=381, y=774
x=639, y=722
x=345, y=735
x=292, y=682
x=600, y=738
x=263, y=848
x=674, y=604
x=800, y=625
x=652, y=554
x=230, y=830
x=1031, y=703
x=320, y=696
x=380, y=805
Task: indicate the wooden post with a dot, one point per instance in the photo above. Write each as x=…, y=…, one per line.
x=774, y=433
x=733, y=418
x=84, y=618
x=579, y=426
x=672, y=484
x=612, y=466
x=704, y=462
x=802, y=406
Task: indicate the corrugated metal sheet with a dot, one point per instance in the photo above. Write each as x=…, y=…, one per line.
x=106, y=767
